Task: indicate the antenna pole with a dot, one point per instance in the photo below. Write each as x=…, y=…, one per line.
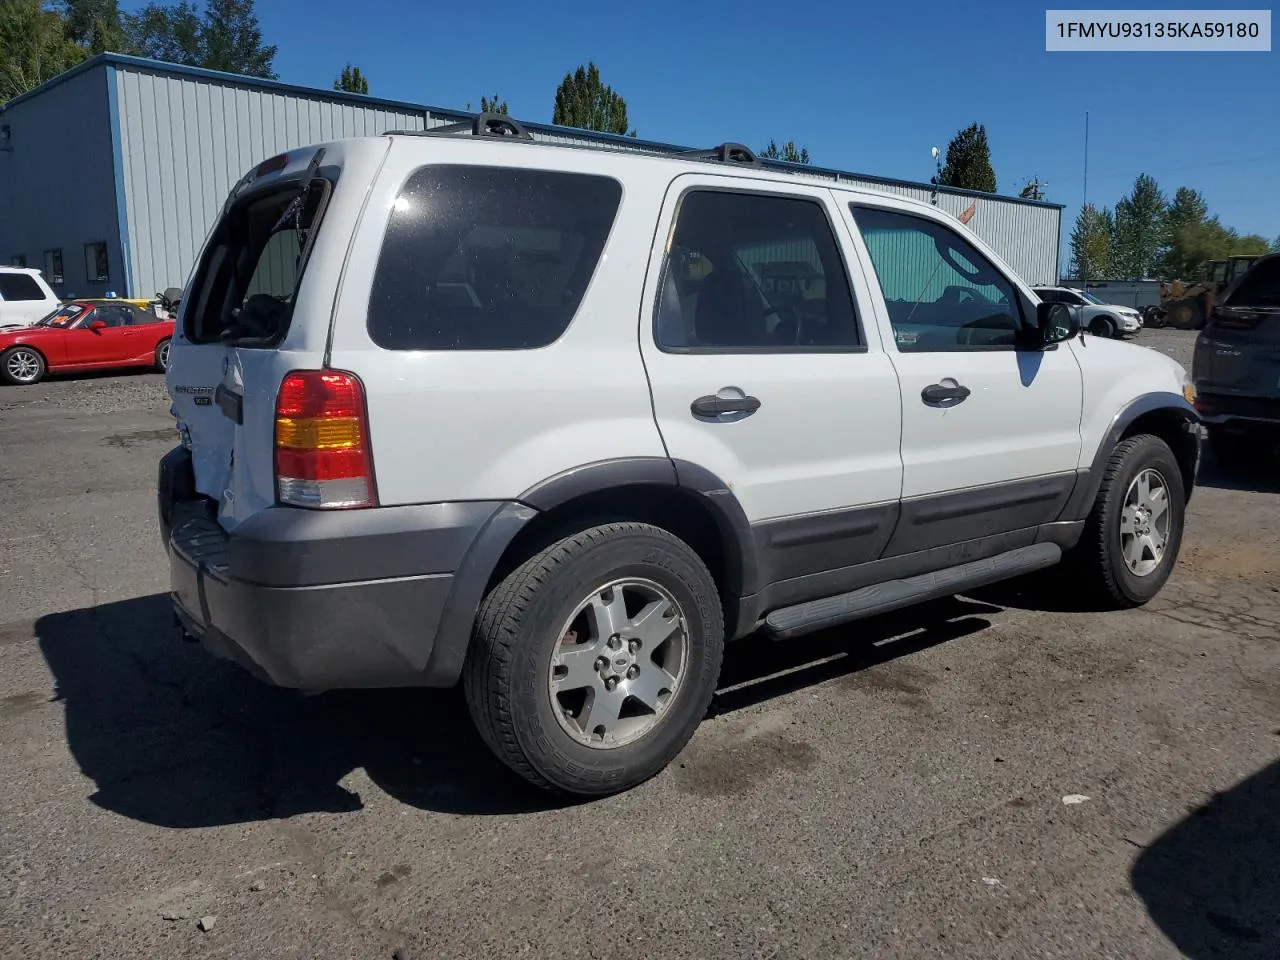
x=1085, y=202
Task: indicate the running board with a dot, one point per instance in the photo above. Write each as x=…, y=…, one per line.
x=894, y=594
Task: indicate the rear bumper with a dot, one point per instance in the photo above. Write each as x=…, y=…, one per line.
x=1223, y=409
x=317, y=600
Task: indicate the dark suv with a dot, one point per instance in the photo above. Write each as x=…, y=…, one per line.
x=1237, y=368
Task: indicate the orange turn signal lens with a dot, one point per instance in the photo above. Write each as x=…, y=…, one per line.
x=338, y=433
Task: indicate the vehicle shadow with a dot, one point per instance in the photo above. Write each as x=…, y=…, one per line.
x=174, y=737
x=1211, y=883
x=1262, y=478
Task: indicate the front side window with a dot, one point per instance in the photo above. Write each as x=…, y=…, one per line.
x=488, y=258
x=19, y=286
x=96, y=267
x=941, y=293
x=752, y=271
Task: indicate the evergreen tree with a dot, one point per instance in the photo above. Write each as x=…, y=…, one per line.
x=493, y=105
x=351, y=81
x=969, y=161
x=788, y=152
x=92, y=24
x=583, y=101
x=1141, y=231
x=1091, y=245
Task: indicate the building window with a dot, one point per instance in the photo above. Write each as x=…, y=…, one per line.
x=53, y=266
x=95, y=263
x=18, y=260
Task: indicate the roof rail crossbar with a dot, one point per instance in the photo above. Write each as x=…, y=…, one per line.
x=481, y=125
x=726, y=153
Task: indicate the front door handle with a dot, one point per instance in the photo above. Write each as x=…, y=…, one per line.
x=712, y=406
x=944, y=393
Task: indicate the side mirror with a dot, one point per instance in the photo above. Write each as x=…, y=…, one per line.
x=96, y=325
x=1056, y=322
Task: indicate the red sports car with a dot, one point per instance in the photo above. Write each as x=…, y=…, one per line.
x=85, y=335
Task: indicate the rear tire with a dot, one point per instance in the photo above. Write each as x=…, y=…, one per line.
x=1103, y=327
x=22, y=366
x=524, y=670
x=162, y=356
x=1117, y=556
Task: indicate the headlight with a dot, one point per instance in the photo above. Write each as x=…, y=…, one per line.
x=1188, y=390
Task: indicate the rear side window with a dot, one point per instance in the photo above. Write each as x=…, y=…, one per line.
x=19, y=286
x=488, y=258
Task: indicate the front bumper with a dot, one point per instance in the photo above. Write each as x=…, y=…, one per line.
x=320, y=600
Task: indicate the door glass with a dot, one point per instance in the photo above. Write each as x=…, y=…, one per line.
x=756, y=272
x=941, y=293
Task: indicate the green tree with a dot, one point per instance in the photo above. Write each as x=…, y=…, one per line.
x=33, y=47
x=225, y=37
x=969, y=161
x=493, y=105
x=92, y=24
x=351, y=81
x=171, y=33
x=1187, y=211
x=1141, y=233
x=1091, y=244
x=233, y=42
x=788, y=152
x=583, y=101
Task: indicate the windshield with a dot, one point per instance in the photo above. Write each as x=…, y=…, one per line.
x=1090, y=297
x=62, y=317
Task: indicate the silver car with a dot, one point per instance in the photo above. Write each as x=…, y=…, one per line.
x=1236, y=368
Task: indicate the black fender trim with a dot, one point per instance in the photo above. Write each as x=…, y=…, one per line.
x=453, y=637
x=1089, y=481
x=742, y=571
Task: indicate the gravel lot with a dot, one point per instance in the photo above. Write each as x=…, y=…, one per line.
x=908, y=787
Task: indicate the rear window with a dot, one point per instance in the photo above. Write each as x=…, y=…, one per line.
x=488, y=258
x=19, y=286
x=244, y=290
x=1260, y=287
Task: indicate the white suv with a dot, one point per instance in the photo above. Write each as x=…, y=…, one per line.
x=1100, y=318
x=559, y=422
x=24, y=297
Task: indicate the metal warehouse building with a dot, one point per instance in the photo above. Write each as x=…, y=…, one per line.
x=111, y=174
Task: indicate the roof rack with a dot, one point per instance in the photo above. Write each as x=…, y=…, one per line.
x=725, y=153
x=481, y=125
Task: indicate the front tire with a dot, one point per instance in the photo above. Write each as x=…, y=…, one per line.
x=22, y=366
x=593, y=662
x=1103, y=327
x=1133, y=535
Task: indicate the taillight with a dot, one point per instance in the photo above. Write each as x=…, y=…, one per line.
x=322, y=442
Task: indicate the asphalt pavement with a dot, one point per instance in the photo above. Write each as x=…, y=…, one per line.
x=1006, y=775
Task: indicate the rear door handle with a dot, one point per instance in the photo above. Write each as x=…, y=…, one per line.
x=944, y=393
x=712, y=406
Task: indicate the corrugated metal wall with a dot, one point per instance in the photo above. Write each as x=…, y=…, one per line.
x=56, y=190
x=1025, y=235
x=186, y=140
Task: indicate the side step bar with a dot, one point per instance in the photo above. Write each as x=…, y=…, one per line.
x=893, y=595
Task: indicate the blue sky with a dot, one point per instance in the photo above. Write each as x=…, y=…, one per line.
x=865, y=87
